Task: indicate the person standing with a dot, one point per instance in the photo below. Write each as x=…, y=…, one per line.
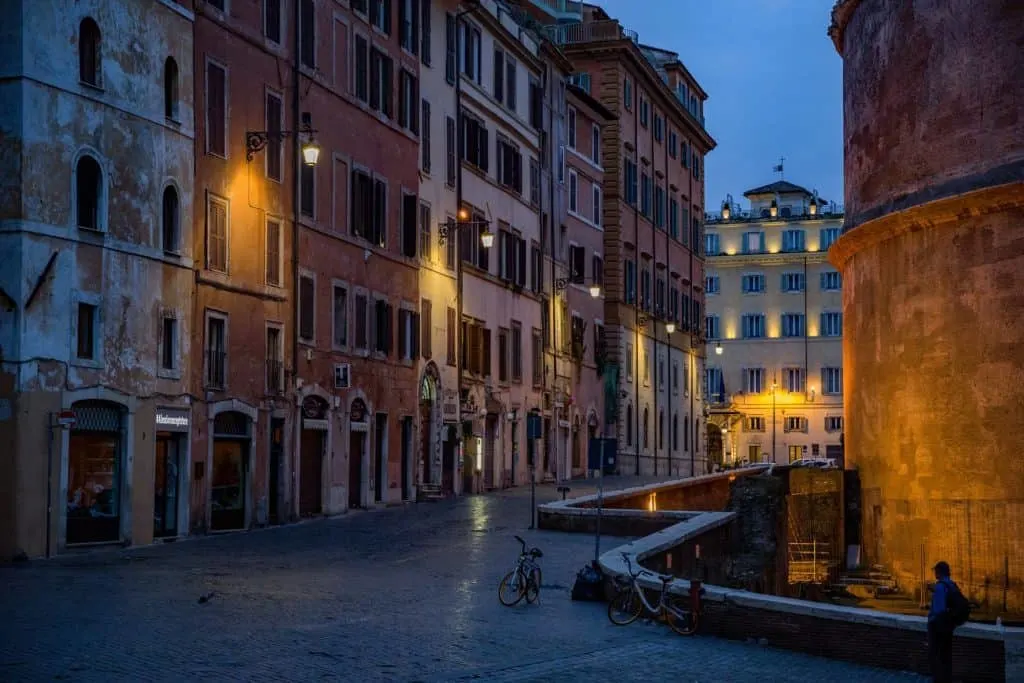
x=941, y=624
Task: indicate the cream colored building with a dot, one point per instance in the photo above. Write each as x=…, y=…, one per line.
x=774, y=374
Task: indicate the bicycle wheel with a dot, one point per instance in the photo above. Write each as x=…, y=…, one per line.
x=533, y=586
x=625, y=607
x=511, y=589
x=678, y=615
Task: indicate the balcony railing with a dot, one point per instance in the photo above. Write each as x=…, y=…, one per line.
x=275, y=377
x=831, y=211
x=215, y=362
x=590, y=32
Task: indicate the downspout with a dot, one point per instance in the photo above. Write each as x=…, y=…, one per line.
x=456, y=235
x=296, y=77
x=636, y=275
x=668, y=290
x=550, y=442
x=807, y=367
x=691, y=375
x=654, y=276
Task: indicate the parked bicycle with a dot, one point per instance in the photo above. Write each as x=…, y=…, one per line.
x=524, y=580
x=629, y=602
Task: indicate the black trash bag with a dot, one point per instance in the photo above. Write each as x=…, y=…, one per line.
x=589, y=585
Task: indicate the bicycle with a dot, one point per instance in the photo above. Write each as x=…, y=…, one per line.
x=629, y=602
x=524, y=580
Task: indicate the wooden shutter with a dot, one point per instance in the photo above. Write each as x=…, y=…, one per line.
x=426, y=329
x=410, y=233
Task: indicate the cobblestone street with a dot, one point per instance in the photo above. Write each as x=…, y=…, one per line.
x=406, y=594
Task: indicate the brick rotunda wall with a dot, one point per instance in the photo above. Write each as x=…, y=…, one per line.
x=932, y=258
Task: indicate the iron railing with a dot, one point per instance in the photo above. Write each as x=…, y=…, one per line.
x=590, y=32
x=275, y=377
x=215, y=366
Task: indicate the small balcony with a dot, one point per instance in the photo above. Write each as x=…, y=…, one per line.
x=275, y=377
x=215, y=365
x=590, y=32
x=560, y=10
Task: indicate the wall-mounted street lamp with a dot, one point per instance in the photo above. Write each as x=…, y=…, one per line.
x=563, y=282
x=256, y=140
x=726, y=211
x=718, y=349
x=448, y=229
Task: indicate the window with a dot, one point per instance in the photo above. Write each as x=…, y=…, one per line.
x=534, y=182
x=832, y=381
x=383, y=330
x=714, y=387
x=408, y=102
x=88, y=192
x=450, y=160
x=469, y=60
x=673, y=218
x=381, y=74
x=753, y=380
x=597, y=270
x=795, y=424
x=275, y=148
x=753, y=283
x=536, y=104
x=216, y=110
x=216, y=234
x=712, y=245
x=449, y=247
x=89, y=56
x=425, y=150
x=86, y=332
x=362, y=69
x=426, y=329
x=450, y=337
x=574, y=200
x=793, y=380
x=425, y=21
x=577, y=264
x=598, y=205
x=833, y=423
x=659, y=127
x=450, y=48
x=630, y=275
x=408, y=334
x=659, y=206
x=361, y=314
x=169, y=344
x=755, y=424
x=503, y=355
x=170, y=220
x=831, y=281
x=272, y=20
x=630, y=171
x=307, y=308
x=673, y=144
x=410, y=224
x=792, y=324
x=645, y=195
x=536, y=264
x=409, y=25
x=711, y=284
x=712, y=329
x=753, y=243
x=426, y=233
x=753, y=325
x=505, y=79
x=629, y=362
x=537, y=356
x=595, y=144
x=627, y=93
x=171, y=89
x=793, y=240
x=827, y=236
x=339, y=322
x=571, y=124
x=510, y=165
x=216, y=352
x=831, y=324
x=474, y=141
x=307, y=33
x=275, y=365
x=380, y=15
x=646, y=430
x=644, y=111
x=369, y=208
x=274, y=252
x=684, y=154
x=792, y=282
x=307, y=190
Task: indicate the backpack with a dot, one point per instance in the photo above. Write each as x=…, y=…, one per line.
x=957, y=606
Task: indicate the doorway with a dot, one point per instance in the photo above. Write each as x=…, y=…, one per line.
x=227, y=492
x=448, y=447
x=490, y=437
x=166, y=479
x=311, y=461
x=406, y=458
x=380, y=451
x=276, y=462
x=356, y=447
x=94, y=474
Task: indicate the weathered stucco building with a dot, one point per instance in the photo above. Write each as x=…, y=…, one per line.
x=95, y=272
x=932, y=259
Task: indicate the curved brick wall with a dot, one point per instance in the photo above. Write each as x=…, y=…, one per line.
x=932, y=258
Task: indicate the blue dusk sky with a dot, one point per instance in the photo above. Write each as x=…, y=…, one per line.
x=774, y=84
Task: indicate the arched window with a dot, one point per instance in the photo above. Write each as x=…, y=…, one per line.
x=171, y=89
x=696, y=434
x=629, y=425
x=646, y=430
x=661, y=429
x=171, y=221
x=675, y=431
x=89, y=59
x=88, y=191
x=686, y=433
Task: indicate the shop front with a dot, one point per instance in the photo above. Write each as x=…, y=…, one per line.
x=229, y=483
x=172, y=429
x=95, y=473
x=312, y=449
x=358, y=430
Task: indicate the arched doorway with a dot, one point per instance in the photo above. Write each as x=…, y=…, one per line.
x=715, y=446
x=312, y=452
x=430, y=410
x=95, y=473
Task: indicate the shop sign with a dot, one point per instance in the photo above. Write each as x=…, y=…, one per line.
x=172, y=420
x=314, y=408
x=358, y=411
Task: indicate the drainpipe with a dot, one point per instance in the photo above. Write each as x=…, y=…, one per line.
x=636, y=273
x=550, y=442
x=691, y=376
x=668, y=288
x=296, y=78
x=457, y=236
x=654, y=274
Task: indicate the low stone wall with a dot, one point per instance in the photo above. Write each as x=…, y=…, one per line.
x=981, y=652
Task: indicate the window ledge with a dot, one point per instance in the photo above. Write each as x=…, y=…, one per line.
x=169, y=373
x=91, y=86
x=87, y=363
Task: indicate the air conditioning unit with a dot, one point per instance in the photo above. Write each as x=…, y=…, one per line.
x=342, y=375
